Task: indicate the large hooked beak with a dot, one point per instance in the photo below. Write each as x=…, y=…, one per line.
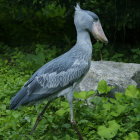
x=98, y=32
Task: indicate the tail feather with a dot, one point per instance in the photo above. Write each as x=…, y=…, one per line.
x=17, y=100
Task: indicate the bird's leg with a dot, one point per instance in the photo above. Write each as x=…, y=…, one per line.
x=74, y=123
x=39, y=118
x=69, y=96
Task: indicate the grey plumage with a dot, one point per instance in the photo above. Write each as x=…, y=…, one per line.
x=54, y=76
x=60, y=76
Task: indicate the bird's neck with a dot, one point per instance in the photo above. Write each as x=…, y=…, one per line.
x=83, y=45
x=83, y=37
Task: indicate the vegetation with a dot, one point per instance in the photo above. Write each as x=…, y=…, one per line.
x=36, y=31
x=104, y=118
x=27, y=23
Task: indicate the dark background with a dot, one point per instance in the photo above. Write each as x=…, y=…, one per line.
x=24, y=23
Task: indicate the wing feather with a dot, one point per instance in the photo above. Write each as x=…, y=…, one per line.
x=47, y=84
x=55, y=76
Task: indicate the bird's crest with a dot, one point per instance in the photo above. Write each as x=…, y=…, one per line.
x=77, y=7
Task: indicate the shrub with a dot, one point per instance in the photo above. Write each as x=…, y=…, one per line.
x=106, y=118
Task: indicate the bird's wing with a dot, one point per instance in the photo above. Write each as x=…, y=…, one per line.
x=56, y=65
x=56, y=77
x=51, y=78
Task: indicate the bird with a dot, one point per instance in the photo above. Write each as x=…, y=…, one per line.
x=60, y=76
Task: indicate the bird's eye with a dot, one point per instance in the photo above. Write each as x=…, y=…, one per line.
x=95, y=18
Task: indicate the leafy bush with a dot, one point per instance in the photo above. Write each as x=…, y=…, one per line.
x=105, y=118
x=23, y=23
x=107, y=52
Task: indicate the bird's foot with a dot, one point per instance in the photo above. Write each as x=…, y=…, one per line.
x=77, y=130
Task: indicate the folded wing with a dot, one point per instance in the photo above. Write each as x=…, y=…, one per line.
x=50, y=79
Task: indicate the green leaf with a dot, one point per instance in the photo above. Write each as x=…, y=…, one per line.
x=132, y=136
x=115, y=114
x=96, y=100
x=103, y=88
x=60, y=112
x=108, y=132
x=120, y=108
x=118, y=96
x=83, y=94
x=15, y=114
x=132, y=92
x=107, y=106
x=80, y=95
x=90, y=93
x=114, y=125
x=67, y=137
x=65, y=104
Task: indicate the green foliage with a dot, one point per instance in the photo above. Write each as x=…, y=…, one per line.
x=27, y=22
x=26, y=61
x=23, y=23
x=39, y=22
x=108, y=52
x=132, y=136
x=110, y=131
x=103, y=118
x=103, y=88
x=84, y=94
x=136, y=54
x=57, y=11
x=64, y=109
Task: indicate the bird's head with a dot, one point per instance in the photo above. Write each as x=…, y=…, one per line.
x=87, y=20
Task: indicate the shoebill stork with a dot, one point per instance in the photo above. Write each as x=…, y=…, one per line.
x=60, y=76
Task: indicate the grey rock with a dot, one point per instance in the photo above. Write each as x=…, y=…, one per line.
x=117, y=74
